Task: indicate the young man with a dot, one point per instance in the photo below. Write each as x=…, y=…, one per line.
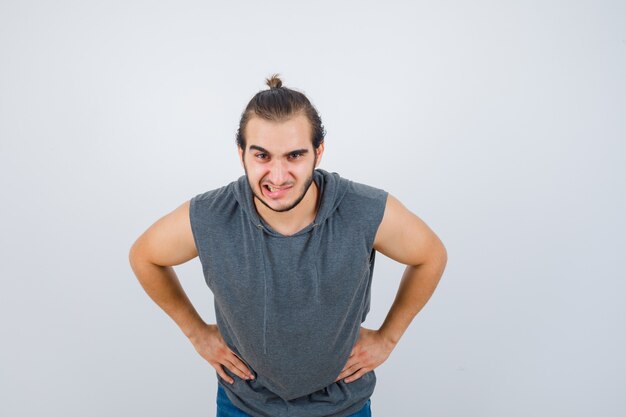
x=288, y=252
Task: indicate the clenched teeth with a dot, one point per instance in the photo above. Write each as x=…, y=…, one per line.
x=272, y=189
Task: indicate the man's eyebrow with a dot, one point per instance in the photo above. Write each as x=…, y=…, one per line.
x=258, y=148
x=261, y=149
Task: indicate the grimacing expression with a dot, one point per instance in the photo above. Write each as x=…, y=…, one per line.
x=279, y=161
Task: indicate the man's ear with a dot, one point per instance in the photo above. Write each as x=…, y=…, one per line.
x=240, y=151
x=319, y=151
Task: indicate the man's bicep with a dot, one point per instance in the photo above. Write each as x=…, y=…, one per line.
x=404, y=237
x=169, y=241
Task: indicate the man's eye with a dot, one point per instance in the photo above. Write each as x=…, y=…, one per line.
x=261, y=155
x=295, y=155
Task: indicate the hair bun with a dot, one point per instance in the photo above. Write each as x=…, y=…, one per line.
x=274, y=82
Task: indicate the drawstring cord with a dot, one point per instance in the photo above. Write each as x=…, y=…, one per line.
x=263, y=256
x=317, y=236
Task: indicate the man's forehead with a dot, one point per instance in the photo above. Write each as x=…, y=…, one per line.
x=282, y=135
x=279, y=145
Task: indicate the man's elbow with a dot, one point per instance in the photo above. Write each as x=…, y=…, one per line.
x=441, y=258
x=437, y=259
x=443, y=255
x=135, y=255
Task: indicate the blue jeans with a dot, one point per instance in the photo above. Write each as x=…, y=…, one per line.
x=225, y=408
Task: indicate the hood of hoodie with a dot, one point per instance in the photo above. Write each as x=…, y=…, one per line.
x=331, y=188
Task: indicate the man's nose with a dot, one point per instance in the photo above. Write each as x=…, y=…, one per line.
x=278, y=172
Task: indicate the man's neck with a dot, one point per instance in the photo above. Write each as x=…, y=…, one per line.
x=290, y=222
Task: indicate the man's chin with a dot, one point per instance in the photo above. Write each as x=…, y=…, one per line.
x=277, y=207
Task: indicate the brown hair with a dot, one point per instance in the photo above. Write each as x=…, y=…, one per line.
x=279, y=104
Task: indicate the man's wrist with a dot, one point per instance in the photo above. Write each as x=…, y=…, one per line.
x=388, y=338
x=192, y=329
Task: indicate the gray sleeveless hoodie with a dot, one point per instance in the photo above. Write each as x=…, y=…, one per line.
x=291, y=306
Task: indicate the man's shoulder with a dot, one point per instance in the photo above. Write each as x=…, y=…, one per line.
x=360, y=191
x=207, y=196
x=217, y=202
x=354, y=188
x=362, y=207
x=219, y=193
x=364, y=190
x=362, y=201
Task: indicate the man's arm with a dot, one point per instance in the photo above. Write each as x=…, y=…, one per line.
x=166, y=243
x=404, y=237
x=169, y=242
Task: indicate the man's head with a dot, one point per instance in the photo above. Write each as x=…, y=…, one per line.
x=280, y=142
x=278, y=104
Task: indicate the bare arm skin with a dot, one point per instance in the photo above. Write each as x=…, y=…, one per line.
x=169, y=242
x=405, y=238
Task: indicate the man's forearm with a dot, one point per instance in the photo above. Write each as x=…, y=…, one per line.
x=417, y=285
x=163, y=286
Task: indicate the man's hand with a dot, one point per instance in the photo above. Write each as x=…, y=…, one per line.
x=370, y=350
x=209, y=343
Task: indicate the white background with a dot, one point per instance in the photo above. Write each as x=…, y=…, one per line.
x=500, y=124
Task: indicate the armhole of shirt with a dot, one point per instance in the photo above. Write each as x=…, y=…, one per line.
x=194, y=225
x=380, y=203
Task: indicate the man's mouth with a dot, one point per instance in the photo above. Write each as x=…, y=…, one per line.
x=272, y=188
x=273, y=191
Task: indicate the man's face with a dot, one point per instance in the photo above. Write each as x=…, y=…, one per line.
x=279, y=160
